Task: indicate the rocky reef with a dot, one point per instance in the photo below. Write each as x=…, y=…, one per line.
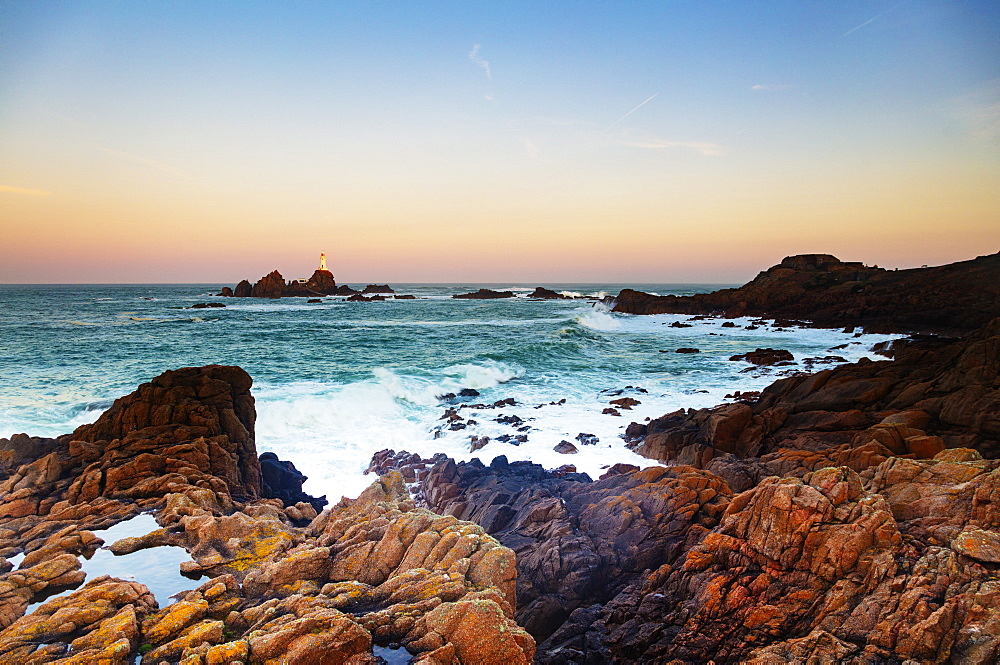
x=284, y=584
x=819, y=288
x=273, y=285
x=484, y=294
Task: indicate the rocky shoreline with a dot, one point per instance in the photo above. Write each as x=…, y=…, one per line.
x=852, y=514
x=821, y=290
x=285, y=584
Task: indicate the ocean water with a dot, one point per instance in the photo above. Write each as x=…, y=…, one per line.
x=337, y=381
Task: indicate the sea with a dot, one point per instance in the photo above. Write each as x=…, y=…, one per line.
x=336, y=381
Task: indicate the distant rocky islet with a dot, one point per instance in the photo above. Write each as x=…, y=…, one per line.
x=322, y=283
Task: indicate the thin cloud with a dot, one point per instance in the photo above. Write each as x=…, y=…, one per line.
x=875, y=18
x=8, y=189
x=771, y=86
x=648, y=100
x=703, y=147
x=474, y=57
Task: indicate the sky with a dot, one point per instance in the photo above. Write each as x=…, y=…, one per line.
x=648, y=142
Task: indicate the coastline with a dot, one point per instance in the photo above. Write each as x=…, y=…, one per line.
x=847, y=511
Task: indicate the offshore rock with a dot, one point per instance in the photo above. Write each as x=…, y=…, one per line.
x=271, y=285
x=765, y=356
x=954, y=298
x=546, y=294
x=485, y=294
x=243, y=289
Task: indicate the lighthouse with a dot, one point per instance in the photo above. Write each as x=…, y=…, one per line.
x=322, y=261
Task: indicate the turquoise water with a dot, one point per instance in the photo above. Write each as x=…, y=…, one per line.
x=336, y=381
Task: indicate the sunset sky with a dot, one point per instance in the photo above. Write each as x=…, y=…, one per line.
x=504, y=141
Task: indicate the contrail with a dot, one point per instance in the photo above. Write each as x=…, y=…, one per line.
x=875, y=18
x=611, y=126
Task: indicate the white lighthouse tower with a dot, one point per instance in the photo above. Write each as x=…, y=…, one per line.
x=322, y=261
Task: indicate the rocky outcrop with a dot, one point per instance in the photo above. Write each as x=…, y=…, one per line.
x=187, y=432
x=377, y=288
x=243, y=289
x=795, y=564
x=666, y=564
x=546, y=294
x=954, y=298
x=194, y=424
x=273, y=285
x=320, y=283
x=484, y=294
x=281, y=480
x=285, y=583
x=577, y=542
x=765, y=356
x=934, y=394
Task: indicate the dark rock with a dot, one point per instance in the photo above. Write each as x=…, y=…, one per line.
x=625, y=402
x=553, y=522
x=243, y=289
x=688, y=350
x=485, y=294
x=281, y=480
x=952, y=299
x=765, y=356
x=314, y=300
x=206, y=305
x=226, y=292
x=678, y=324
x=377, y=288
x=271, y=285
x=546, y=294
x=728, y=324
x=565, y=447
x=587, y=439
x=635, y=431
x=468, y=392
x=405, y=297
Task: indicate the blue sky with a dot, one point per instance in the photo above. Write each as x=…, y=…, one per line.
x=667, y=141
